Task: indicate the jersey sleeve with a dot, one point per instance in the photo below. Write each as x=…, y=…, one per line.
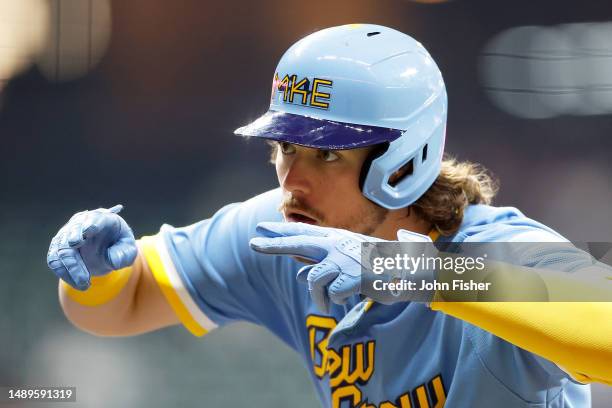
x=561, y=337
x=211, y=277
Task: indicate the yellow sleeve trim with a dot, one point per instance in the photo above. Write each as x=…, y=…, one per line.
x=161, y=277
x=102, y=290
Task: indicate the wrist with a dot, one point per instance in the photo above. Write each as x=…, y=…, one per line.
x=103, y=289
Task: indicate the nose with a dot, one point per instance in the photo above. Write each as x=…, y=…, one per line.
x=295, y=176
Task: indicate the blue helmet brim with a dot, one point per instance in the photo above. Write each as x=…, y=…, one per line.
x=316, y=133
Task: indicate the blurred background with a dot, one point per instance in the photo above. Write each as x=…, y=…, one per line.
x=135, y=101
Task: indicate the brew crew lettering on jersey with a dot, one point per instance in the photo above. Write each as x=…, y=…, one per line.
x=400, y=355
x=353, y=365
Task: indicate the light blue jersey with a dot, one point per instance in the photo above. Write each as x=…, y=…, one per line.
x=402, y=355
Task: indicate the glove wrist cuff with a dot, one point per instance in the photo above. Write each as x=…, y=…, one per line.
x=102, y=290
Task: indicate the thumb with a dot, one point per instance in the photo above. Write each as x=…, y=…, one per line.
x=122, y=253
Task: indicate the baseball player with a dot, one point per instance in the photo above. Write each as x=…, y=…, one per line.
x=357, y=123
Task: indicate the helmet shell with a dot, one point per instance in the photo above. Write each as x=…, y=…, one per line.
x=359, y=85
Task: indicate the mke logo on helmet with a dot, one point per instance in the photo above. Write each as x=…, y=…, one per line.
x=303, y=91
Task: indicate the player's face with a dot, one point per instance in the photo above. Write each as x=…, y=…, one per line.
x=322, y=187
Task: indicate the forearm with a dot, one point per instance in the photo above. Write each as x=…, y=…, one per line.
x=136, y=306
x=563, y=317
x=98, y=314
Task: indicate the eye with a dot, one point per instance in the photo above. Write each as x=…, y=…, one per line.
x=328, y=155
x=286, y=148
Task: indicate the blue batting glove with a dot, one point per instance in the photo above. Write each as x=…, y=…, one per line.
x=336, y=254
x=336, y=273
x=92, y=243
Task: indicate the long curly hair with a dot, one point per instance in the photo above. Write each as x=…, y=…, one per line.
x=459, y=184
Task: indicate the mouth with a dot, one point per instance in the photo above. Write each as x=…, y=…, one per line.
x=295, y=216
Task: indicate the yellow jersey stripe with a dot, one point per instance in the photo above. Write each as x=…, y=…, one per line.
x=180, y=289
x=172, y=287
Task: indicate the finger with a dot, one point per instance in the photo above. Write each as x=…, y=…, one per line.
x=318, y=279
x=92, y=225
x=98, y=221
x=72, y=261
x=123, y=253
x=75, y=233
x=72, y=230
x=302, y=275
x=60, y=271
x=313, y=248
x=343, y=287
x=318, y=272
x=116, y=209
x=53, y=247
x=54, y=263
x=287, y=229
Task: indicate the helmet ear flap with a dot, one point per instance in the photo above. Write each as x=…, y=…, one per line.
x=375, y=153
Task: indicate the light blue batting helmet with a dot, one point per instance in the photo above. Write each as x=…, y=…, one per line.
x=361, y=85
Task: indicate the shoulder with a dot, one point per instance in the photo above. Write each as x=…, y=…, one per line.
x=263, y=207
x=485, y=223
x=244, y=217
x=228, y=231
